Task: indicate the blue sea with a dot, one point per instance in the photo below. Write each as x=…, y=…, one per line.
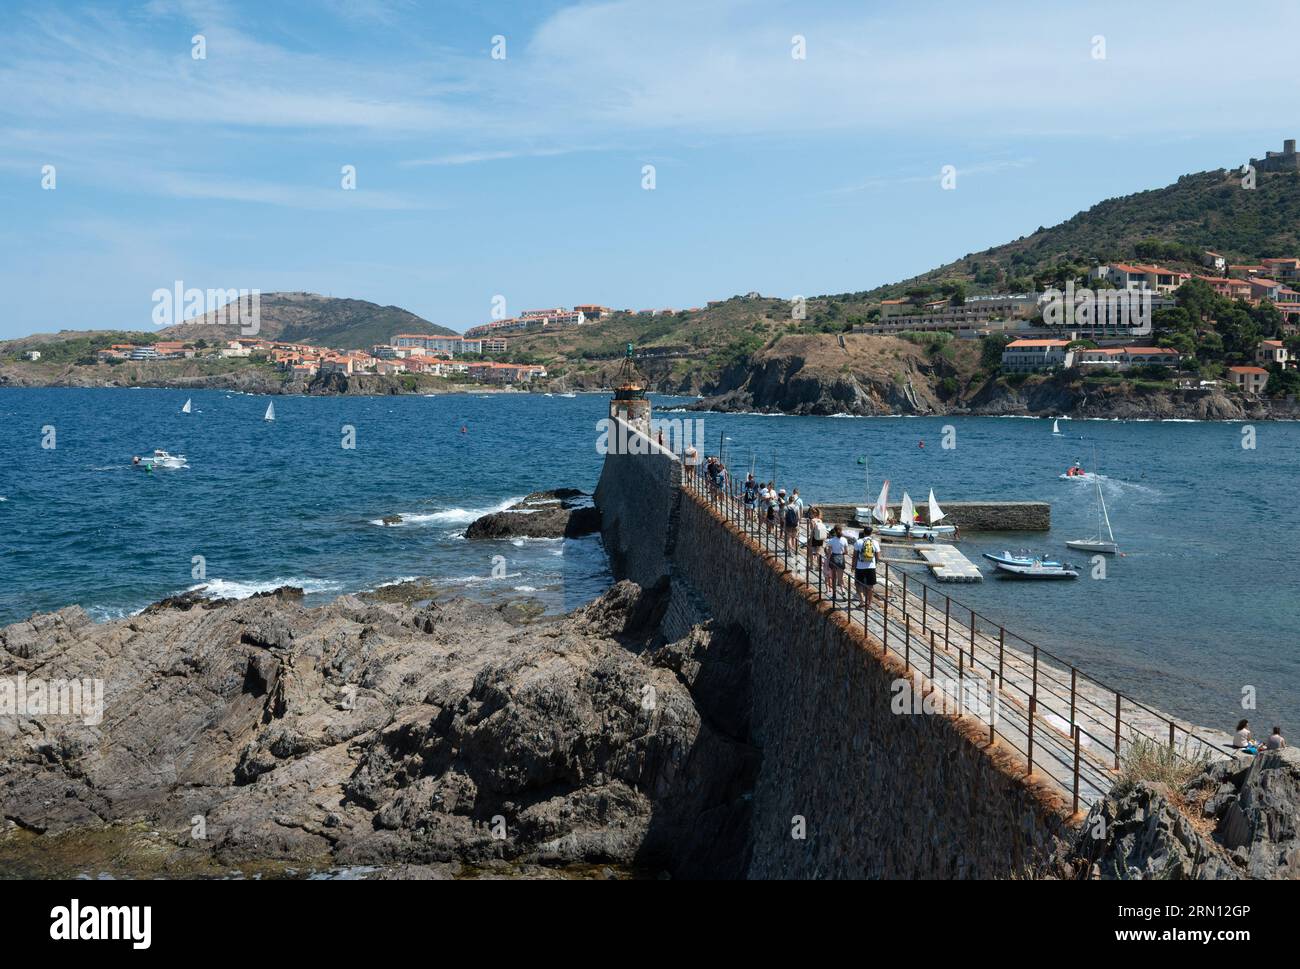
x=1202, y=606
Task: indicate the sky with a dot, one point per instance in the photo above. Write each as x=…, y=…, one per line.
x=501, y=149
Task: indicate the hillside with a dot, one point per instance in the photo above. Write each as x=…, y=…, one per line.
x=320, y=320
x=1208, y=210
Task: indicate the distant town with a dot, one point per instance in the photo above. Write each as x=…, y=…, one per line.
x=1022, y=332
x=1099, y=344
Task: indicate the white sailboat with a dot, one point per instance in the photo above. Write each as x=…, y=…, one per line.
x=186, y=408
x=936, y=513
x=270, y=412
x=907, y=515
x=881, y=510
x=1056, y=426
x=1107, y=545
x=904, y=527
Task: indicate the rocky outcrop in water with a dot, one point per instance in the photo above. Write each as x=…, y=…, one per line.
x=1239, y=819
x=561, y=513
x=375, y=733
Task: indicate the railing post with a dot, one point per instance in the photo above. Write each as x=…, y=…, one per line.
x=1171, y=735
x=1074, y=676
x=1002, y=642
x=947, y=618
x=1117, y=729
x=993, y=706
x=925, y=607
x=1033, y=703
x=1075, y=809
x=907, y=639
x=972, y=638
x=931, y=654
x=1035, y=693
x=884, y=613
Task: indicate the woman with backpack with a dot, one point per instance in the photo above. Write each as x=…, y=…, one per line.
x=817, y=535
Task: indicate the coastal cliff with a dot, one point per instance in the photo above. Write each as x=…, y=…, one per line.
x=870, y=376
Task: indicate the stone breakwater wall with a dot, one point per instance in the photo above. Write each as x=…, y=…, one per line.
x=972, y=516
x=875, y=794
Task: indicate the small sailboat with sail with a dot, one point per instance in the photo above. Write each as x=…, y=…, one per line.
x=270, y=412
x=1106, y=545
x=1056, y=426
x=188, y=402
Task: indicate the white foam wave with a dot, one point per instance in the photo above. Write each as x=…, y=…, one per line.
x=234, y=589
x=448, y=516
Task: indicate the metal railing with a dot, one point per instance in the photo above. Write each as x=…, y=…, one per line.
x=1070, y=725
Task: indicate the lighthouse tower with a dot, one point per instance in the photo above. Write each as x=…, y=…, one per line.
x=629, y=403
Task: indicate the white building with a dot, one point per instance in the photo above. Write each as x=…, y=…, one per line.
x=1272, y=351
x=1027, y=356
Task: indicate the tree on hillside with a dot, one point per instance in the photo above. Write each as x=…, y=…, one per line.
x=991, y=348
x=1239, y=331
x=1198, y=299
x=1268, y=318
x=1282, y=383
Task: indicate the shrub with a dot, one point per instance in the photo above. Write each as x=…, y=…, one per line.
x=1145, y=759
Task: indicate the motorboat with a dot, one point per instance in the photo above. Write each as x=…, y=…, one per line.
x=1038, y=570
x=1076, y=473
x=161, y=459
x=1022, y=557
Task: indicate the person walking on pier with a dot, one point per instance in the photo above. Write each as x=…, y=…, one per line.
x=790, y=516
x=816, y=538
x=767, y=506
x=837, y=551
x=865, y=552
x=751, y=498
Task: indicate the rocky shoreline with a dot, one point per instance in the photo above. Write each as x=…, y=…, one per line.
x=752, y=391
x=812, y=396
x=431, y=737
x=410, y=733
x=247, y=380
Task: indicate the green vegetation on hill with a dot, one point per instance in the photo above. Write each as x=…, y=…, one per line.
x=320, y=320
x=73, y=347
x=1175, y=224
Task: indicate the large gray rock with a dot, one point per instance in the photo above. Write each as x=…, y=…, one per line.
x=561, y=513
x=362, y=733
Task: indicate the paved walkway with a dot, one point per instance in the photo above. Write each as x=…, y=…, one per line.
x=990, y=675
